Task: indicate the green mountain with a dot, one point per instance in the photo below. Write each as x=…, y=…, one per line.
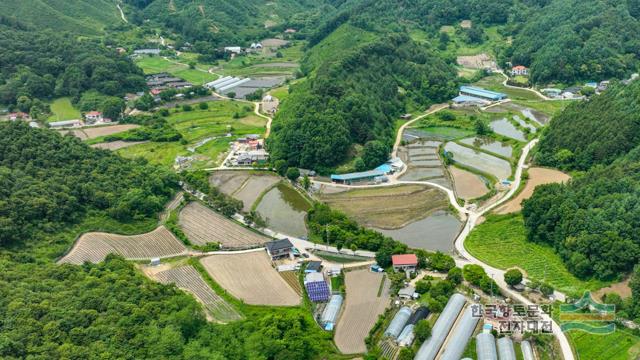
x=78, y=16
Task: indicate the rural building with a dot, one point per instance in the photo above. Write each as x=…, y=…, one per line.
x=19, y=116
x=313, y=266
x=93, y=117
x=317, y=287
x=552, y=92
x=482, y=93
x=290, y=31
x=256, y=45
x=330, y=314
x=307, y=172
x=280, y=249
x=407, y=293
x=247, y=158
x=404, y=262
x=465, y=100
x=356, y=177
x=65, y=124
x=146, y=52
x=405, y=116
x=233, y=49
x=519, y=70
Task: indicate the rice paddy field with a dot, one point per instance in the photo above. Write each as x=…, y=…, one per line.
x=494, y=166
x=246, y=186
x=388, y=207
x=157, y=64
x=501, y=242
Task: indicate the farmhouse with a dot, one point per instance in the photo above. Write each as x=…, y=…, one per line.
x=313, y=266
x=19, y=116
x=146, y=52
x=356, y=177
x=404, y=262
x=519, y=70
x=66, y=124
x=279, y=249
x=482, y=93
x=233, y=49
x=93, y=117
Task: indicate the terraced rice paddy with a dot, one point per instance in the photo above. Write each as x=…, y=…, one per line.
x=467, y=184
x=423, y=162
x=203, y=225
x=524, y=124
x=388, y=207
x=95, y=246
x=188, y=279
x=537, y=176
x=285, y=210
x=504, y=127
x=250, y=277
x=488, y=144
x=497, y=167
x=243, y=185
x=361, y=309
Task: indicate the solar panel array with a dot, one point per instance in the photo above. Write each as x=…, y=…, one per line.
x=318, y=291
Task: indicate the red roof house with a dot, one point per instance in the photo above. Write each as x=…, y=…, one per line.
x=403, y=262
x=519, y=70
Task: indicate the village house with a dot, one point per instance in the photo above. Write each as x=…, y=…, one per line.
x=404, y=262
x=290, y=31
x=279, y=249
x=519, y=70
x=233, y=49
x=19, y=116
x=93, y=117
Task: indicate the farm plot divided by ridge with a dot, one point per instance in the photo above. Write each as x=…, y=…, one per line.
x=203, y=225
x=492, y=165
x=423, y=162
x=388, y=207
x=537, y=176
x=95, y=246
x=188, y=279
x=362, y=308
x=250, y=277
x=243, y=185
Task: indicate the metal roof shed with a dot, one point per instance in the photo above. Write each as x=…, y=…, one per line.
x=460, y=336
x=441, y=328
x=505, y=349
x=398, y=322
x=486, y=347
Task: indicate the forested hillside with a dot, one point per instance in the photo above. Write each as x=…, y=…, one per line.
x=594, y=221
x=569, y=40
x=77, y=16
x=49, y=181
x=53, y=189
x=597, y=131
x=355, y=99
x=43, y=64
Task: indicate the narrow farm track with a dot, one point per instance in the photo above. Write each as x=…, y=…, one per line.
x=432, y=110
x=122, y=13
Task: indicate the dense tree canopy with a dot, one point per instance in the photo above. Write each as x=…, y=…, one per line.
x=44, y=64
x=355, y=100
x=49, y=180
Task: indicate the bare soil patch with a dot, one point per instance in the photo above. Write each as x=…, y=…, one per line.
x=480, y=61
x=537, y=176
x=468, y=185
x=94, y=132
x=621, y=288
x=116, y=145
x=274, y=43
x=251, y=278
x=361, y=311
x=95, y=246
x=203, y=225
x=388, y=207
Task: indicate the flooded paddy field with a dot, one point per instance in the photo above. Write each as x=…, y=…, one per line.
x=497, y=167
x=506, y=128
x=435, y=232
x=245, y=186
x=524, y=124
x=489, y=144
x=285, y=210
x=423, y=162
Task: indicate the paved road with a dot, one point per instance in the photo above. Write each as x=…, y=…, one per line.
x=433, y=109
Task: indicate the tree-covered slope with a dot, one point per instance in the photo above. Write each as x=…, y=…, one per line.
x=77, y=16
x=594, y=220
x=44, y=64
x=569, y=40
x=593, y=132
x=355, y=98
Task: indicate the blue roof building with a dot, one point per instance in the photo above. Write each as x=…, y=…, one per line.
x=357, y=176
x=482, y=93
